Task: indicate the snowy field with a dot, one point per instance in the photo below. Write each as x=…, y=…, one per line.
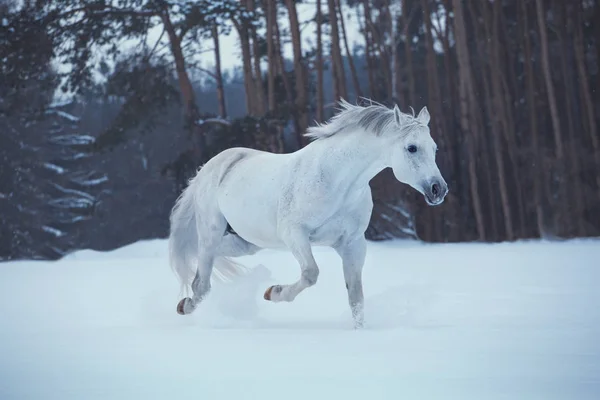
x=506, y=321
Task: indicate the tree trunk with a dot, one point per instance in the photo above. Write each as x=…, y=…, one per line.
x=509, y=57
x=449, y=68
x=545, y=58
x=187, y=90
x=498, y=114
x=218, y=73
x=576, y=210
x=502, y=69
x=537, y=169
x=412, y=91
x=259, y=90
x=271, y=15
x=433, y=94
x=282, y=72
x=395, y=60
x=596, y=17
x=320, y=99
x=488, y=144
x=368, y=53
x=355, y=82
x=451, y=141
x=339, y=76
x=433, y=86
x=301, y=86
x=185, y=85
x=587, y=102
x=378, y=44
x=247, y=67
x=467, y=106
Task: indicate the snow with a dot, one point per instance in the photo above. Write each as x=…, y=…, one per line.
x=64, y=114
x=455, y=321
x=60, y=103
x=71, y=202
x=73, y=140
x=59, y=170
x=91, y=182
x=53, y=231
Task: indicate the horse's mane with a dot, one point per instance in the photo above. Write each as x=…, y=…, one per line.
x=375, y=118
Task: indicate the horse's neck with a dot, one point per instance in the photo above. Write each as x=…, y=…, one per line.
x=354, y=157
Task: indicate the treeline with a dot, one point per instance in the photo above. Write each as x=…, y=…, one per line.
x=512, y=87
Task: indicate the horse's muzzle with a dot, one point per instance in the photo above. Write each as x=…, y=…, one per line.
x=435, y=191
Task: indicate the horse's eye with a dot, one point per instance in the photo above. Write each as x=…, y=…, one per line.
x=412, y=148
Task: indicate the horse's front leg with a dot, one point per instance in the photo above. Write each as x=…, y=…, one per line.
x=353, y=253
x=299, y=244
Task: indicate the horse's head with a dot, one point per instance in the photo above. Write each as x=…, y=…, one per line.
x=412, y=156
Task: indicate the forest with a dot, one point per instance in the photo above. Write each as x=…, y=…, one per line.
x=108, y=107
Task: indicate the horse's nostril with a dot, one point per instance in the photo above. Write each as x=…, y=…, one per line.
x=435, y=189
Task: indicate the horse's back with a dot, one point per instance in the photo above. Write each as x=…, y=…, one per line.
x=212, y=174
x=226, y=160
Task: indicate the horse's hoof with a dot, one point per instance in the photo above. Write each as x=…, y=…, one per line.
x=181, y=305
x=267, y=295
x=273, y=290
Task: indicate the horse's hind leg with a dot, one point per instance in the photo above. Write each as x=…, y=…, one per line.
x=210, y=230
x=299, y=244
x=234, y=246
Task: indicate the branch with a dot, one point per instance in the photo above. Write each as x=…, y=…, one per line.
x=209, y=73
x=237, y=25
x=99, y=9
x=156, y=44
x=184, y=30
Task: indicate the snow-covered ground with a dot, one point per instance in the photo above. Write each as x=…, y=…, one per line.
x=469, y=321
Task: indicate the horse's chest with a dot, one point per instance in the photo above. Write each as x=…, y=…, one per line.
x=349, y=219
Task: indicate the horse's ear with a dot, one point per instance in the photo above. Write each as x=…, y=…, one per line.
x=424, y=116
x=397, y=115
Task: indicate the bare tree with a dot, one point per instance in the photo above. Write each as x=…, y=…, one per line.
x=339, y=76
x=259, y=89
x=467, y=106
x=319, y=62
x=584, y=85
x=299, y=69
x=218, y=72
x=349, y=55
x=545, y=57
x=406, y=18
x=538, y=175
x=272, y=63
x=394, y=10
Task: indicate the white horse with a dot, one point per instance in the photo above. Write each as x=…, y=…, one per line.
x=244, y=200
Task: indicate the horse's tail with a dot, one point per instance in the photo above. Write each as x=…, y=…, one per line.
x=183, y=243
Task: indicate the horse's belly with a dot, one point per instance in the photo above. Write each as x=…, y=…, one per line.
x=253, y=219
x=255, y=230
